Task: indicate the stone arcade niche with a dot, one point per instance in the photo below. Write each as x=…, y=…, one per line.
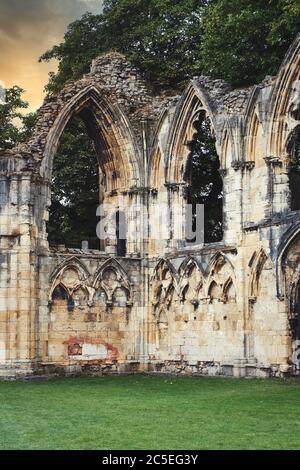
x=89, y=315
x=204, y=180
x=194, y=311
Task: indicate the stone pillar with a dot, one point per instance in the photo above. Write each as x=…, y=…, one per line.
x=18, y=291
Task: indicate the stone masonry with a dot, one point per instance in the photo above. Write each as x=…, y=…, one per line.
x=228, y=308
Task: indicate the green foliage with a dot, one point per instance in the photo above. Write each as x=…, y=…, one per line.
x=245, y=40
x=161, y=37
x=202, y=174
x=239, y=41
x=14, y=126
x=83, y=41
x=28, y=124
x=75, y=195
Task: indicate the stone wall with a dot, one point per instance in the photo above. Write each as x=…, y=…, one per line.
x=229, y=308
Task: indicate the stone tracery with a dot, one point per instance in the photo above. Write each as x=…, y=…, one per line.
x=162, y=305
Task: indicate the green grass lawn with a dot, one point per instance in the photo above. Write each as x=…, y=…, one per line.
x=146, y=412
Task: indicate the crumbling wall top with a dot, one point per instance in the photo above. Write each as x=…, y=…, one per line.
x=117, y=81
x=223, y=97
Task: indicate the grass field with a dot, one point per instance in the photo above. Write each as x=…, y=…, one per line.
x=146, y=412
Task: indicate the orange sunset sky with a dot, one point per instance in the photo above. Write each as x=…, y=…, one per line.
x=27, y=29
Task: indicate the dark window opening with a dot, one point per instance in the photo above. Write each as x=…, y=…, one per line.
x=295, y=317
x=205, y=184
x=294, y=169
x=75, y=190
x=121, y=231
x=59, y=293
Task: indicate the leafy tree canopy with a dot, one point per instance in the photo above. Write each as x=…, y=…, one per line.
x=161, y=37
x=239, y=41
x=15, y=127
x=245, y=40
x=205, y=183
x=75, y=195
x=170, y=41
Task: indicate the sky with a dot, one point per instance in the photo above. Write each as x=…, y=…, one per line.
x=27, y=29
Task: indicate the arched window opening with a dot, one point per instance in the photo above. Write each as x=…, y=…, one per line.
x=75, y=189
x=295, y=317
x=294, y=169
x=59, y=293
x=121, y=231
x=205, y=185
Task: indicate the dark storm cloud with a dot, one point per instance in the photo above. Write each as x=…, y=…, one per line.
x=17, y=16
x=27, y=29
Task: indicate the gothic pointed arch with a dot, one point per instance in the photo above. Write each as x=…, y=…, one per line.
x=75, y=262
x=190, y=279
x=194, y=101
x=107, y=126
x=217, y=261
x=229, y=291
x=228, y=150
x=111, y=276
x=163, y=284
x=255, y=151
x=256, y=265
x=193, y=159
x=219, y=272
x=287, y=260
x=214, y=292
x=159, y=148
x=284, y=105
x=188, y=263
x=162, y=267
x=71, y=275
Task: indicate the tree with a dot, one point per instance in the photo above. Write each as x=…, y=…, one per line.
x=75, y=189
x=12, y=134
x=161, y=37
x=205, y=182
x=28, y=124
x=83, y=41
x=170, y=41
x=245, y=40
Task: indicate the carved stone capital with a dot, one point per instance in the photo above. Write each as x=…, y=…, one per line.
x=249, y=165
x=245, y=165
x=175, y=187
x=273, y=161
x=141, y=190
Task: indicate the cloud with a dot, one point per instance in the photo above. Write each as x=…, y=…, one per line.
x=27, y=29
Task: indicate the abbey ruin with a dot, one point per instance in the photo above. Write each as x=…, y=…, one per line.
x=162, y=305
